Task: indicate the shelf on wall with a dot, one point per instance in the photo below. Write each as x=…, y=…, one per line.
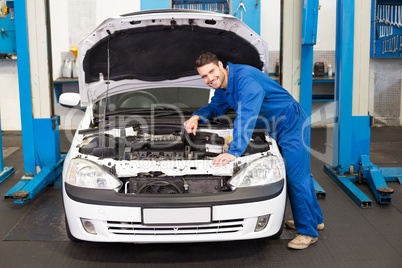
x=317, y=79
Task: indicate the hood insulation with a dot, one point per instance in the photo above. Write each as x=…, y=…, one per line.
x=158, y=53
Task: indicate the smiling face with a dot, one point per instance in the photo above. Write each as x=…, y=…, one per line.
x=214, y=75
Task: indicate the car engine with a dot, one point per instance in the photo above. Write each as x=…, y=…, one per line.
x=141, y=144
x=162, y=144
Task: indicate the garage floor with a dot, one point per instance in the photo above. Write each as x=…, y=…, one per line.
x=32, y=235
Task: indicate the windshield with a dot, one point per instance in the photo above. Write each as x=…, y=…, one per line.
x=180, y=97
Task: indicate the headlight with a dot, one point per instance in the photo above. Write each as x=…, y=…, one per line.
x=262, y=171
x=84, y=173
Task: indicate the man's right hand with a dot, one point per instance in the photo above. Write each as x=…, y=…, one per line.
x=191, y=124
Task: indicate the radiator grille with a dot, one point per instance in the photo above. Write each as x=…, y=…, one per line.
x=135, y=228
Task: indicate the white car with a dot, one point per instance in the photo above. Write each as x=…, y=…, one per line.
x=133, y=174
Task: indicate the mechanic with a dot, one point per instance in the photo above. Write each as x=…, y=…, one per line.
x=260, y=101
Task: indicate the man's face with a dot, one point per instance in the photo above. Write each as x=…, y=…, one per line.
x=213, y=75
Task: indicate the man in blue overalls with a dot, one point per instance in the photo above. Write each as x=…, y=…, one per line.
x=261, y=102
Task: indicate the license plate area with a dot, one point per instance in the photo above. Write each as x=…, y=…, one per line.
x=166, y=216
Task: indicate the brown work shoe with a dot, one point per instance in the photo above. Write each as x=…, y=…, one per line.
x=302, y=241
x=291, y=225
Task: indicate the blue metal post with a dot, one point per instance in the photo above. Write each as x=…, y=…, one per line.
x=309, y=38
x=24, y=81
x=343, y=80
x=306, y=79
x=344, y=129
x=40, y=136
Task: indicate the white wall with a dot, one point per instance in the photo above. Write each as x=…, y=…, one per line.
x=270, y=24
x=59, y=32
x=326, y=26
x=10, y=98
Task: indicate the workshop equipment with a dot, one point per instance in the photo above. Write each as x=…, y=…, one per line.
x=351, y=162
x=7, y=31
x=386, y=29
x=3, y=33
x=319, y=69
x=4, y=10
x=218, y=6
x=329, y=70
x=235, y=7
x=309, y=39
x=40, y=136
x=241, y=7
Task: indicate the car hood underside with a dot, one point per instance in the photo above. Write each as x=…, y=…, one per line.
x=158, y=53
x=161, y=47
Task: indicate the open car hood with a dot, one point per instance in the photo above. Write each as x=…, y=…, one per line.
x=158, y=48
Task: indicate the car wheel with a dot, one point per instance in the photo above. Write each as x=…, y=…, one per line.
x=69, y=235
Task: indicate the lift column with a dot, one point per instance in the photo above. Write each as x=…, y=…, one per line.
x=40, y=129
x=308, y=40
x=300, y=20
x=351, y=163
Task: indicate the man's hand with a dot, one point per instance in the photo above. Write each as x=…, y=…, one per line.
x=191, y=124
x=222, y=159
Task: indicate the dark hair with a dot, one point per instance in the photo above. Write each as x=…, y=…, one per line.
x=206, y=58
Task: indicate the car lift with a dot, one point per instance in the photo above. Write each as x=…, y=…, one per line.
x=309, y=39
x=351, y=162
x=40, y=136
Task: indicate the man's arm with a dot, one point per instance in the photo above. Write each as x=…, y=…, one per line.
x=217, y=107
x=251, y=97
x=191, y=124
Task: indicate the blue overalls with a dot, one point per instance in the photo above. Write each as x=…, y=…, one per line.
x=260, y=101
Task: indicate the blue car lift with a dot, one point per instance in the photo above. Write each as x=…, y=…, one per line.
x=309, y=39
x=40, y=137
x=351, y=162
x=5, y=172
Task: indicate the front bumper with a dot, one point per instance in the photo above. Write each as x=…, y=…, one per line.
x=111, y=198
x=119, y=218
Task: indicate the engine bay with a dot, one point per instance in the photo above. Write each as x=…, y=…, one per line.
x=167, y=143
x=139, y=143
